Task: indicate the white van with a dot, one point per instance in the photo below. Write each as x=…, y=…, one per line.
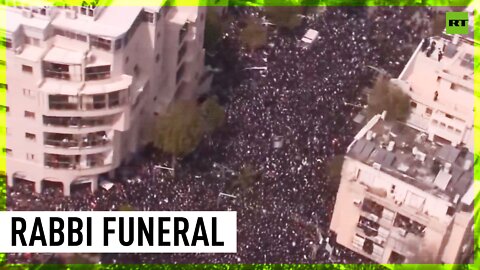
x=309, y=37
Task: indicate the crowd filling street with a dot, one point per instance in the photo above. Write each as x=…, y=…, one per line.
x=289, y=111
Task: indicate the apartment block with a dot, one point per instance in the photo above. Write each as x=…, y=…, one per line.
x=404, y=198
x=86, y=83
x=439, y=80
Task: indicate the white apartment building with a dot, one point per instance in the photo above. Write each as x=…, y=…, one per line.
x=441, y=89
x=84, y=84
x=403, y=198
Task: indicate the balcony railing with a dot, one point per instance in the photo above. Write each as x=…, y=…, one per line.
x=55, y=164
x=63, y=106
x=62, y=75
x=85, y=142
x=76, y=122
x=97, y=76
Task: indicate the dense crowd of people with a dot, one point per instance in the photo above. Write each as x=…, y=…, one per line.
x=285, y=119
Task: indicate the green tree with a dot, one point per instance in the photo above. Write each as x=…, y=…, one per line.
x=254, y=35
x=386, y=96
x=284, y=17
x=180, y=130
x=213, y=114
x=126, y=207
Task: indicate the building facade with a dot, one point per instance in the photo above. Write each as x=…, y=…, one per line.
x=85, y=83
x=439, y=80
x=403, y=198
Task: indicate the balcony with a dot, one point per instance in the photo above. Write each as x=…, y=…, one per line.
x=76, y=141
x=97, y=73
x=76, y=162
x=88, y=102
x=78, y=122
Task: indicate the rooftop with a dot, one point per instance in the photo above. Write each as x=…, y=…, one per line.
x=405, y=153
x=451, y=74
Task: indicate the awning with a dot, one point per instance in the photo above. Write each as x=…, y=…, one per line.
x=63, y=56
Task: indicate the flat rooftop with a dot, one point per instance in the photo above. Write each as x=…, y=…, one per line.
x=405, y=153
x=451, y=76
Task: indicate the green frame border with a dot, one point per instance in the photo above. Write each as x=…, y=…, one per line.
x=3, y=101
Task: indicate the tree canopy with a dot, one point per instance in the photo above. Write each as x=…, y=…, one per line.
x=386, y=96
x=185, y=123
x=285, y=17
x=254, y=35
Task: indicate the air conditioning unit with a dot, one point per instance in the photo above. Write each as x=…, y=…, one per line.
x=71, y=14
x=27, y=13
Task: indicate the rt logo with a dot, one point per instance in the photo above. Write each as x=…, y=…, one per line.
x=457, y=23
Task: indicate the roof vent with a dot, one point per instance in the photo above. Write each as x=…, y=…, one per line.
x=447, y=167
x=467, y=165
x=390, y=146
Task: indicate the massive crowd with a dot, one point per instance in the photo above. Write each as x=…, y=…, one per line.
x=286, y=122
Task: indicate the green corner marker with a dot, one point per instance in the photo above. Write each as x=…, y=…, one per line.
x=457, y=23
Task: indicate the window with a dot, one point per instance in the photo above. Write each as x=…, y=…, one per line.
x=7, y=151
x=118, y=44
x=30, y=156
x=458, y=131
x=148, y=17
x=4, y=108
x=450, y=211
x=136, y=70
x=413, y=104
x=449, y=116
x=127, y=59
x=29, y=114
x=63, y=102
x=97, y=73
x=435, y=122
x=158, y=34
x=57, y=71
x=450, y=128
x=26, y=68
x=442, y=125
x=30, y=136
x=114, y=99
x=27, y=92
x=101, y=43
x=157, y=58
x=4, y=86
x=33, y=41
x=428, y=111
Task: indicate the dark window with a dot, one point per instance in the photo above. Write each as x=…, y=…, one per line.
x=4, y=86
x=136, y=70
x=413, y=104
x=97, y=73
x=450, y=211
x=7, y=151
x=6, y=42
x=101, y=43
x=30, y=136
x=118, y=44
x=29, y=114
x=428, y=111
x=114, y=99
x=26, y=68
x=148, y=17
x=157, y=58
x=4, y=108
x=449, y=116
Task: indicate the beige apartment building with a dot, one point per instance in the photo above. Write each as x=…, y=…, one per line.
x=403, y=198
x=440, y=85
x=84, y=84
